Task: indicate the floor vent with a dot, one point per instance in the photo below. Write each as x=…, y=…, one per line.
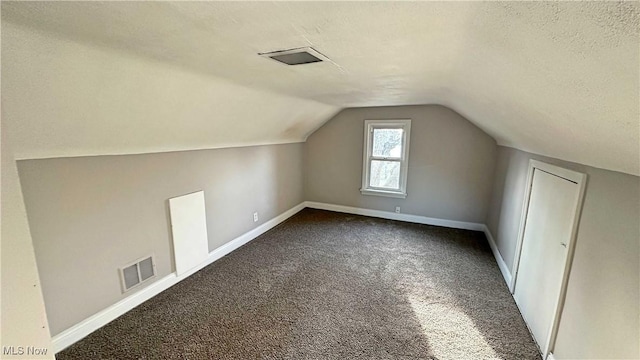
x=138, y=272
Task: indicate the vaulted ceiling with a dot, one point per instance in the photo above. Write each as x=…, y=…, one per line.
x=555, y=78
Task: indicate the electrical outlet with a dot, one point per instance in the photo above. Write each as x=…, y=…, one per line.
x=397, y=209
x=255, y=216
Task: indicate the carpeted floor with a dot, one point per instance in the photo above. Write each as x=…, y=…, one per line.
x=325, y=285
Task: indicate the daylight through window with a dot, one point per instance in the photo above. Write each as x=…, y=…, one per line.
x=386, y=154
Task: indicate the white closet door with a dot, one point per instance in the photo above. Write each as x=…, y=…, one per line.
x=189, y=229
x=546, y=241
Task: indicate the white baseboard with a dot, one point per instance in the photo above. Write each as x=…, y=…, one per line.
x=93, y=323
x=78, y=331
x=504, y=269
x=395, y=216
x=551, y=357
x=82, y=329
x=252, y=234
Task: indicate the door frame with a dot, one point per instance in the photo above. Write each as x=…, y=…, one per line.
x=581, y=180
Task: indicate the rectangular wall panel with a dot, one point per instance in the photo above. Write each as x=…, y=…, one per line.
x=189, y=230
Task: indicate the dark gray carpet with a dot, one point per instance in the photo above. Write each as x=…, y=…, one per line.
x=325, y=285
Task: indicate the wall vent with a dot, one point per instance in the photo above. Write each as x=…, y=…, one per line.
x=138, y=272
x=298, y=56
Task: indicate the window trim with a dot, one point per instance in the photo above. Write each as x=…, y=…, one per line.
x=367, y=157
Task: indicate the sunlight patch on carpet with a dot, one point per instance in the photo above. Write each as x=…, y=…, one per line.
x=451, y=333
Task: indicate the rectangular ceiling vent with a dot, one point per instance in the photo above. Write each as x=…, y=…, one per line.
x=298, y=56
x=136, y=273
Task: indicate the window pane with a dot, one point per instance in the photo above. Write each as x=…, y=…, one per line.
x=385, y=174
x=387, y=142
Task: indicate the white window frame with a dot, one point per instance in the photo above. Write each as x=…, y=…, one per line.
x=369, y=126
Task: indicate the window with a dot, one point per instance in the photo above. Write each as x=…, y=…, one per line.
x=386, y=155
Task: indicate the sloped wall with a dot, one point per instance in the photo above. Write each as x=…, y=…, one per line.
x=62, y=98
x=451, y=163
x=553, y=78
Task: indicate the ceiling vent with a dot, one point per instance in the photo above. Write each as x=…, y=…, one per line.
x=299, y=56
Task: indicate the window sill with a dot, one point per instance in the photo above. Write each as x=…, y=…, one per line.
x=393, y=194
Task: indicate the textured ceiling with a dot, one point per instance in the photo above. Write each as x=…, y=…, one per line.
x=555, y=78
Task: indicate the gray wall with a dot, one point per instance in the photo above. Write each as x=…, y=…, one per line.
x=91, y=215
x=601, y=317
x=451, y=163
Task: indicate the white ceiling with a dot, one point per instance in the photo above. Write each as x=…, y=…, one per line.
x=555, y=78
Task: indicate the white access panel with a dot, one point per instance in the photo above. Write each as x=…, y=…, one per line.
x=189, y=230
